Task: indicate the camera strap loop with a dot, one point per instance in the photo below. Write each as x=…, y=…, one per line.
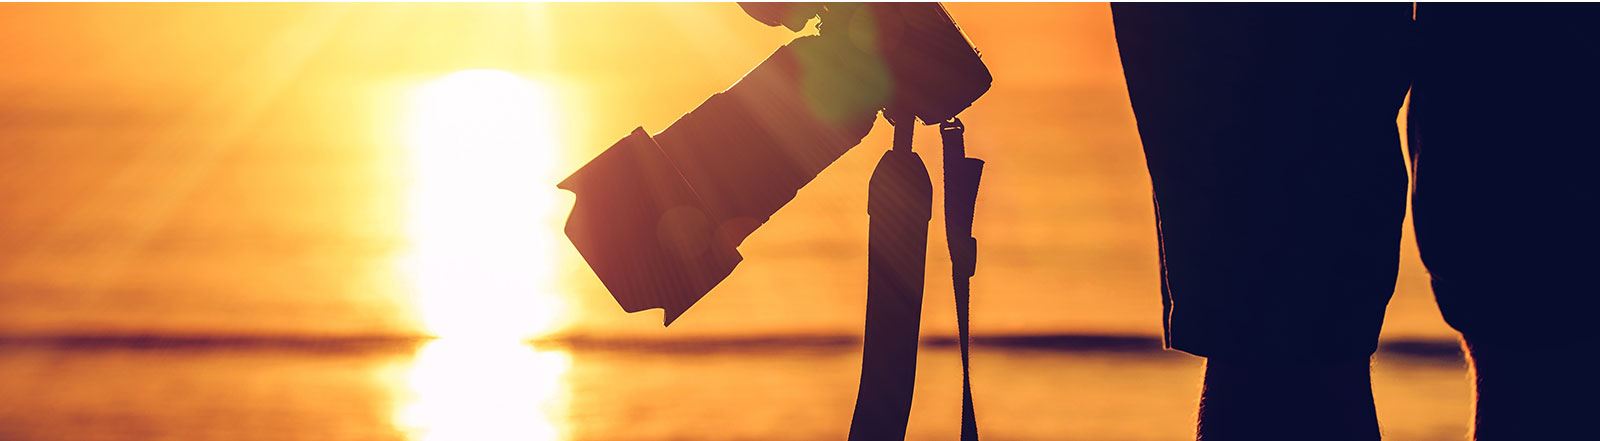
x=961, y=176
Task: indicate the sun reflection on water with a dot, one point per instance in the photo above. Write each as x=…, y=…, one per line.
x=483, y=225
x=463, y=391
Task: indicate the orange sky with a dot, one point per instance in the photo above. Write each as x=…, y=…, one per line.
x=239, y=167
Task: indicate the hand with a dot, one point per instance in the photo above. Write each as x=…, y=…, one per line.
x=790, y=15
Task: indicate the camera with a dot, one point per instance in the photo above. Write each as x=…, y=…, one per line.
x=659, y=217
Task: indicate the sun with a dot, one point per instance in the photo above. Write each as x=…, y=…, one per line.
x=482, y=213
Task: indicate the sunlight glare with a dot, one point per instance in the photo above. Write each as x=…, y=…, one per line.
x=483, y=217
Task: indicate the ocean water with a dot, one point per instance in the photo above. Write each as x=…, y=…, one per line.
x=801, y=389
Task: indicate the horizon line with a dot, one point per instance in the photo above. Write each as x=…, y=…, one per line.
x=1108, y=343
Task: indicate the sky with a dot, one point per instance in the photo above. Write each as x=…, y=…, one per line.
x=267, y=169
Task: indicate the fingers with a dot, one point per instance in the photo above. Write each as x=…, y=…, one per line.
x=790, y=15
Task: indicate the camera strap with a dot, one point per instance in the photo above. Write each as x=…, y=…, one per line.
x=961, y=176
x=899, y=206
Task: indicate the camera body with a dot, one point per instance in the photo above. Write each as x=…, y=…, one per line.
x=934, y=71
x=659, y=218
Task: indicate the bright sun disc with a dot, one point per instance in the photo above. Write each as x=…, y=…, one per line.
x=481, y=202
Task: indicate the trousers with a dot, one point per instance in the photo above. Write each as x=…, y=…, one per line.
x=1280, y=186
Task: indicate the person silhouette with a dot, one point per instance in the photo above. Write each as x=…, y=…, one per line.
x=1280, y=191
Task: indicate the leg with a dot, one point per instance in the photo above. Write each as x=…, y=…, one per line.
x=1254, y=400
x=1506, y=234
x=1280, y=190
